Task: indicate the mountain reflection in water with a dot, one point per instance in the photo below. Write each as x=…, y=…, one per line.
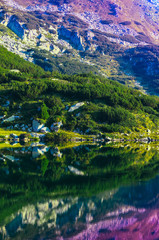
x=85, y=192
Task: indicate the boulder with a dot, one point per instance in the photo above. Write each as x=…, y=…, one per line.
x=15, y=70
x=11, y=119
x=56, y=126
x=45, y=130
x=76, y=106
x=37, y=126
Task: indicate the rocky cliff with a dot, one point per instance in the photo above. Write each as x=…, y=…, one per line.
x=15, y=26
x=89, y=31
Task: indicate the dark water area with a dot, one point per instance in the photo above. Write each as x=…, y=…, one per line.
x=85, y=192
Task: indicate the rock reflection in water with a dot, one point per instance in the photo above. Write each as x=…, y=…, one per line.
x=105, y=216
x=92, y=202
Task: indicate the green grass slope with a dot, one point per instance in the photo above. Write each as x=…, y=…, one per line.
x=107, y=105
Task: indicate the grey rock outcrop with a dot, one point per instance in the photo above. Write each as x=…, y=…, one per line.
x=72, y=37
x=15, y=26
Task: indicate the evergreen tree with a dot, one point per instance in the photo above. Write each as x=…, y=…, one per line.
x=44, y=112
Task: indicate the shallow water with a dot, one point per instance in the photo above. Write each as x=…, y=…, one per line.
x=86, y=192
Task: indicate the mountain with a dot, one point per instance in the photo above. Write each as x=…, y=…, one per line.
x=116, y=17
x=118, y=39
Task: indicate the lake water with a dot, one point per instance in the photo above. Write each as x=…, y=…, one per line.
x=88, y=192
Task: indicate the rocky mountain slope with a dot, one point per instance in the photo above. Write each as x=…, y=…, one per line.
x=120, y=38
x=110, y=16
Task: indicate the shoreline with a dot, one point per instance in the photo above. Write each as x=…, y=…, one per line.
x=64, y=137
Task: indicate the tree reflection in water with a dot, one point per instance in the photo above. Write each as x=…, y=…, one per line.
x=85, y=192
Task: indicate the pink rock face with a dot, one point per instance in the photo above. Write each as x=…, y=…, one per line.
x=140, y=226
x=139, y=16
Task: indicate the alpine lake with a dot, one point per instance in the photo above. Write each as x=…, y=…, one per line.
x=88, y=191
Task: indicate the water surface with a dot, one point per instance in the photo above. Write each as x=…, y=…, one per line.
x=85, y=192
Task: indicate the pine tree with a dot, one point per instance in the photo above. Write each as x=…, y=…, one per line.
x=44, y=112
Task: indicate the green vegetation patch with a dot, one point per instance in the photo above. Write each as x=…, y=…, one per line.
x=107, y=106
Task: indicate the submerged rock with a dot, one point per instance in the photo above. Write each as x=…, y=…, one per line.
x=75, y=171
